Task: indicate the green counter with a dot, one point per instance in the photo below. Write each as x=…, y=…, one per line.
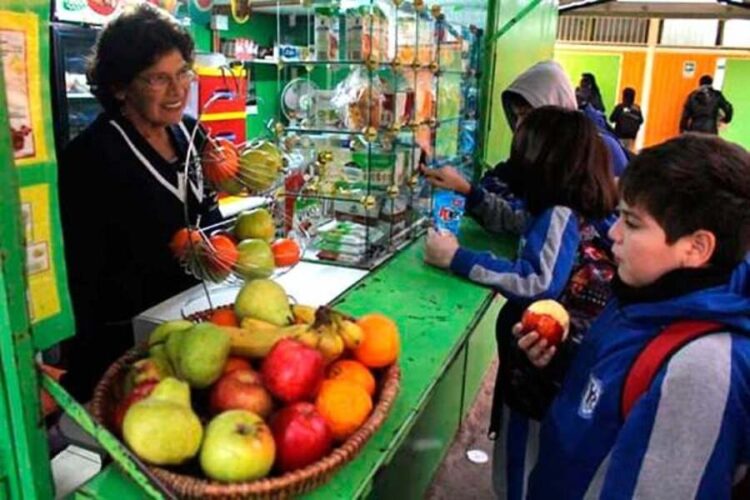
x=447, y=328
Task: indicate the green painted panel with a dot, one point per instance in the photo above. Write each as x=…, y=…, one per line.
x=409, y=474
x=55, y=321
x=605, y=67
x=482, y=349
x=736, y=90
x=109, y=484
x=536, y=34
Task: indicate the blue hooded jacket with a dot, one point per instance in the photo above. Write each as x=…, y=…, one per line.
x=685, y=438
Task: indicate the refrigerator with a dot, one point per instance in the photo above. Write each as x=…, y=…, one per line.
x=74, y=106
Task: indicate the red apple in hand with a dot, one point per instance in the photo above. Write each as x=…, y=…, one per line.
x=292, y=371
x=241, y=390
x=301, y=435
x=549, y=319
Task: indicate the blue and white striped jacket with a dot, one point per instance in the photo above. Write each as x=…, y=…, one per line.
x=547, y=252
x=687, y=437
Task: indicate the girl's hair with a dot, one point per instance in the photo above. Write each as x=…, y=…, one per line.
x=560, y=159
x=628, y=96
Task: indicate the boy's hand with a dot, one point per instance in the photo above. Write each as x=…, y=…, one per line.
x=439, y=248
x=447, y=178
x=536, y=348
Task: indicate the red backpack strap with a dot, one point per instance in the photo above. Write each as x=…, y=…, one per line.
x=657, y=351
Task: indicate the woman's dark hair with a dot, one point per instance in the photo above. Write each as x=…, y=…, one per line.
x=131, y=43
x=628, y=96
x=692, y=182
x=561, y=160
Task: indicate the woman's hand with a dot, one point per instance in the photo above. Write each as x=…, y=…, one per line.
x=439, y=248
x=536, y=348
x=447, y=178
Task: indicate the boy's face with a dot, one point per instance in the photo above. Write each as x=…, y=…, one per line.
x=641, y=249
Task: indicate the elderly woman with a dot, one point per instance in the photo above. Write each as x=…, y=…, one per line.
x=122, y=190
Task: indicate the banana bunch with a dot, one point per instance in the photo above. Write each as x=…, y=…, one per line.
x=323, y=329
x=332, y=333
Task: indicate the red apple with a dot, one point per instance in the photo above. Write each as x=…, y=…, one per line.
x=302, y=436
x=549, y=319
x=292, y=371
x=241, y=390
x=235, y=363
x=139, y=392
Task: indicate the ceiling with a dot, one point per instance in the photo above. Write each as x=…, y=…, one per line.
x=707, y=9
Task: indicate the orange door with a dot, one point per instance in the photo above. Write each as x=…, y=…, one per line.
x=669, y=89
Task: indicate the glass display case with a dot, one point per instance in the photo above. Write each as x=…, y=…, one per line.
x=369, y=93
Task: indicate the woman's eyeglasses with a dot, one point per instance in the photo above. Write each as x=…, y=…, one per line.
x=161, y=81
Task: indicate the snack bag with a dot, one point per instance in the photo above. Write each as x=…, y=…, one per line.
x=447, y=209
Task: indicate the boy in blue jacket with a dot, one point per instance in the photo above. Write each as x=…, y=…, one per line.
x=681, y=244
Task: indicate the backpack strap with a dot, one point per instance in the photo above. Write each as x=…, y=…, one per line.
x=656, y=353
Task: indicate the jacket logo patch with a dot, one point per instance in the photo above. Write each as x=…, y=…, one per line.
x=591, y=396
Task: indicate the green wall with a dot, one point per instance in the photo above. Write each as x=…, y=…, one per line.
x=527, y=42
x=737, y=92
x=605, y=67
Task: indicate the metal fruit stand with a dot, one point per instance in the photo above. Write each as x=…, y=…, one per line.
x=448, y=322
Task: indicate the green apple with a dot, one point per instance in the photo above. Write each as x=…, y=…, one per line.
x=238, y=447
x=255, y=224
x=254, y=259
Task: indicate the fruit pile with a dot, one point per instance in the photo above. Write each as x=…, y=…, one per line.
x=257, y=167
x=248, y=250
x=263, y=387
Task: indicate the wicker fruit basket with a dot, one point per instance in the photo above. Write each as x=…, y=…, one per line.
x=185, y=482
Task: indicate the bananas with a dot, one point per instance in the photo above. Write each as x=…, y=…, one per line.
x=303, y=314
x=257, y=343
x=328, y=331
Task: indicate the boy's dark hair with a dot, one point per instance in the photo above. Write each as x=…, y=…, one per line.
x=692, y=182
x=706, y=80
x=628, y=96
x=131, y=43
x=561, y=160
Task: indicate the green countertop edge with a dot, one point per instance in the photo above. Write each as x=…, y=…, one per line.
x=434, y=324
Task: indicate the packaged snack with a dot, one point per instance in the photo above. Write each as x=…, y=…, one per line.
x=447, y=210
x=358, y=100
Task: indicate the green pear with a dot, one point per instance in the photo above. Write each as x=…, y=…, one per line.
x=265, y=300
x=254, y=259
x=162, y=429
x=204, y=350
x=255, y=224
x=159, y=335
x=172, y=347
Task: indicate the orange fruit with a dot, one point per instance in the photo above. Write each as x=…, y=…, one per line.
x=381, y=344
x=344, y=405
x=354, y=371
x=286, y=252
x=180, y=242
x=224, y=317
x=224, y=255
x=220, y=161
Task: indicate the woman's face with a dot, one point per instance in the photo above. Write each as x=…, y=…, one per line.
x=158, y=94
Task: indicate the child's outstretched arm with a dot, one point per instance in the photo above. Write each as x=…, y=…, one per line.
x=542, y=267
x=493, y=212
